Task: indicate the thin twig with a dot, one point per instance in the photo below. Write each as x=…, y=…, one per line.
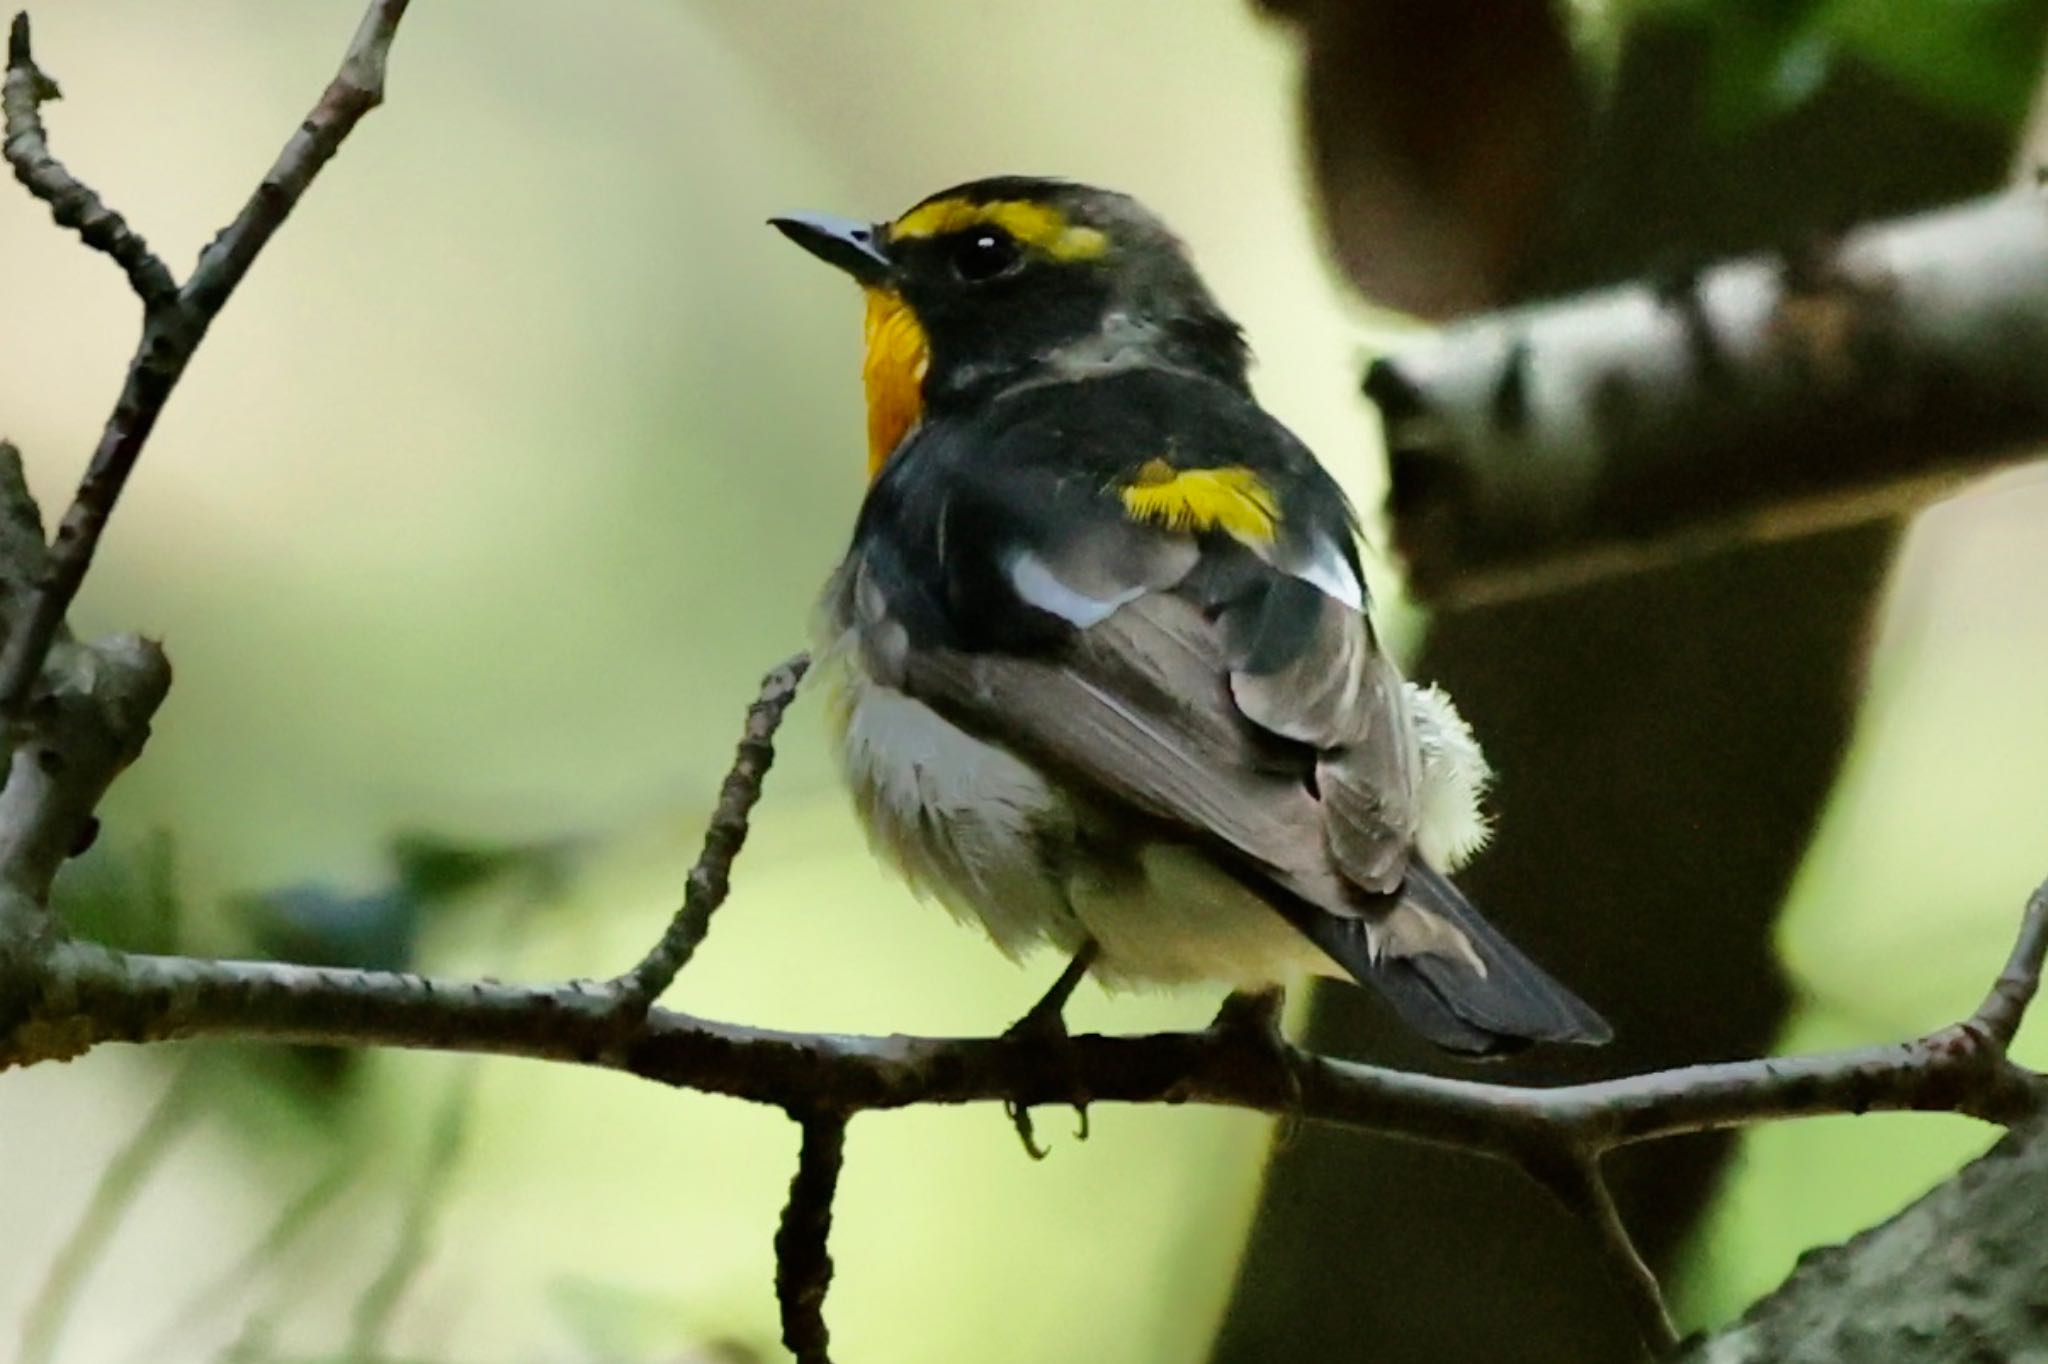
x=72, y=203
x=1577, y=1182
x=711, y=878
x=357, y=88
x=177, y=319
x=1998, y=1017
x=803, y=1264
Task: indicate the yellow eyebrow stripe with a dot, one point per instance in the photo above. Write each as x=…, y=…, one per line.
x=1231, y=499
x=1040, y=226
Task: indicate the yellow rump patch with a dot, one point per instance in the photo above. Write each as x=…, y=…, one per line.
x=892, y=372
x=1231, y=499
x=1037, y=225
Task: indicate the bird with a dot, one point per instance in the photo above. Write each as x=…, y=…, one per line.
x=1100, y=658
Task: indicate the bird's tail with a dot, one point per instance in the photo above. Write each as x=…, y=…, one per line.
x=1510, y=1005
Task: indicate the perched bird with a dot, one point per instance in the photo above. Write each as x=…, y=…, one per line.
x=1101, y=662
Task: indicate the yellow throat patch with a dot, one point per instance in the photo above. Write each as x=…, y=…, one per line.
x=1233, y=499
x=892, y=372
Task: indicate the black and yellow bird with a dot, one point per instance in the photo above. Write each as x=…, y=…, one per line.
x=1100, y=652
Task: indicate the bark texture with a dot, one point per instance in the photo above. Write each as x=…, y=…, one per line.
x=1960, y=1277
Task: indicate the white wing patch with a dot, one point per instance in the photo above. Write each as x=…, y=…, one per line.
x=1038, y=585
x=1327, y=569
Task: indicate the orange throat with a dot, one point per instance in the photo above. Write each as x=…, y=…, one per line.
x=892, y=372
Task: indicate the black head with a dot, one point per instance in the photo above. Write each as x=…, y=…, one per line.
x=1011, y=277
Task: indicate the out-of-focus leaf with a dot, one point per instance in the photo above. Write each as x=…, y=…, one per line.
x=1764, y=63
x=320, y=926
x=436, y=867
x=1978, y=58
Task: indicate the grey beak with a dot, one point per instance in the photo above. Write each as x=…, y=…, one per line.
x=853, y=247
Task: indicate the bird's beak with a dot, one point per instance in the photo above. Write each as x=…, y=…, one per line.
x=853, y=247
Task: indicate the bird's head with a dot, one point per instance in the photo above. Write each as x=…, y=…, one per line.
x=1010, y=279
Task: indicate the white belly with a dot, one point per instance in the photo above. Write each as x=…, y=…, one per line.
x=970, y=824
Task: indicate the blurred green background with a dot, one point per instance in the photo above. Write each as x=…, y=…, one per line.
x=518, y=458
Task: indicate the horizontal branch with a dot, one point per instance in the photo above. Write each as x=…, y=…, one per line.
x=1768, y=397
x=86, y=994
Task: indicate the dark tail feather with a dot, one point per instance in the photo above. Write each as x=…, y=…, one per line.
x=1514, y=1004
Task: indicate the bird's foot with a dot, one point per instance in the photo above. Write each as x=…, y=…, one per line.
x=1045, y=1023
x=1251, y=1019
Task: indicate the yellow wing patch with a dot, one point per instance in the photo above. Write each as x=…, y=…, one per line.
x=1231, y=499
x=1037, y=225
x=892, y=373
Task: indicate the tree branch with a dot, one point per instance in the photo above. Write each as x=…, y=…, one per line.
x=176, y=319
x=94, y=995
x=711, y=878
x=1955, y=1277
x=803, y=1265
x=72, y=203
x=1763, y=398
x=1577, y=1183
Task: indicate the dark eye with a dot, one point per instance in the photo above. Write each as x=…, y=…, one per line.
x=985, y=254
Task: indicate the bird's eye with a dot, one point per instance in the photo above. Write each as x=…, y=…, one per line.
x=983, y=255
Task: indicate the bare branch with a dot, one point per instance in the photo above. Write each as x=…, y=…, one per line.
x=355, y=90
x=72, y=203
x=1998, y=1017
x=711, y=879
x=88, y=994
x=803, y=1264
x=1577, y=1183
x=83, y=732
x=1762, y=398
x=177, y=319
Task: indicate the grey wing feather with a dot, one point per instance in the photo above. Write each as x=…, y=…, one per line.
x=1146, y=708
x=1327, y=684
x=1139, y=708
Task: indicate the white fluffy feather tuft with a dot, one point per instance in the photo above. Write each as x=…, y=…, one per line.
x=1451, y=825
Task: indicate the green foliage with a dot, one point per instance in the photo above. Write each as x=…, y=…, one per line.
x=436, y=867
x=1971, y=59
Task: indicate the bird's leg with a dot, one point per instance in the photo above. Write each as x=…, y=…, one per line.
x=1046, y=1021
